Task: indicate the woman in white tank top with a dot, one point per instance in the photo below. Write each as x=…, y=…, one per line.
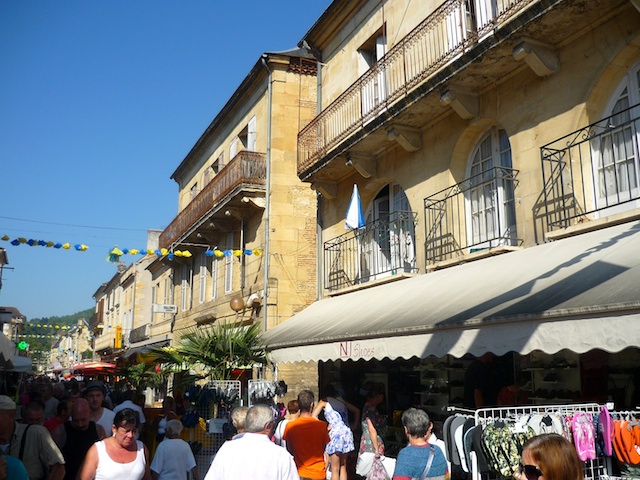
x=120, y=457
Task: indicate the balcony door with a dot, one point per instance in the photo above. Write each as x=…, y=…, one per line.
x=468, y=17
x=615, y=152
x=388, y=244
x=373, y=88
x=489, y=193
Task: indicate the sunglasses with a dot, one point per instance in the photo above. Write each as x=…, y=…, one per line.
x=531, y=471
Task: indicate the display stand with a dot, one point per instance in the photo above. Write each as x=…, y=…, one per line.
x=216, y=411
x=617, y=415
x=594, y=469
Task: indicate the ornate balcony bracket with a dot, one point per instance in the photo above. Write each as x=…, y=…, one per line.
x=407, y=138
x=364, y=164
x=235, y=213
x=462, y=102
x=258, y=202
x=540, y=57
x=326, y=188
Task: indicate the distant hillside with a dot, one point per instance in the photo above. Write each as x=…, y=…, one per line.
x=40, y=338
x=67, y=320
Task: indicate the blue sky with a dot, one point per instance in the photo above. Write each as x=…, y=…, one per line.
x=99, y=103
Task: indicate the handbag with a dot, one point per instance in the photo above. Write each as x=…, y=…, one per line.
x=377, y=472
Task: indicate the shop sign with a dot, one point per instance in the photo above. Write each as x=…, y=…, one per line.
x=160, y=308
x=356, y=350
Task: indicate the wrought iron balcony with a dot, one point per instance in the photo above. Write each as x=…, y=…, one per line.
x=473, y=215
x=245, y=170
x=380, y=248
x=592, y=172
x=448, y=32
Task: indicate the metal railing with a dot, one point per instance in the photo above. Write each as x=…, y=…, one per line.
x=592, y=171
x=450, y=30
x=246, y=168
x=380, y=248
x=473, y=215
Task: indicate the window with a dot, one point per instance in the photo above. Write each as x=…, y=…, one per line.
x=469, y=17
x=490, y=196
x=228, y=266
x=388, y=242
x=203, y=277
x=615, y=152
x=194, y=190
x=214, y=278
x=247, y=137
x=184, y=289
x=374, y=88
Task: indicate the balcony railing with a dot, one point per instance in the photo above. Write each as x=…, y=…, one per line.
x=380, y=248
x=104, y=341
x=473, y=215
x=140, y=333
x=246, y=168
x=442, y=36
x=592, y=172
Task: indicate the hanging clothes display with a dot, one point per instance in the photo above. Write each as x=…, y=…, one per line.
x=491, y=445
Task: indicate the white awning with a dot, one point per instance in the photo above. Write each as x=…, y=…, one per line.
x=145, y=345
x=7, y=351
x=579, y=293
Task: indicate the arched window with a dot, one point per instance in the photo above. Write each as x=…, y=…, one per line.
x=489, y=193
x=615, y=153
x=388, y=243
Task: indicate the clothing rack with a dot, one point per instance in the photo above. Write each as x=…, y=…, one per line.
x=594, y=469
x=621, y=415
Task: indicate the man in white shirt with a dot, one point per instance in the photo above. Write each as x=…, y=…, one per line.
x=94, y=393
x=254, y=455
x=128, y=403
x=173, y=458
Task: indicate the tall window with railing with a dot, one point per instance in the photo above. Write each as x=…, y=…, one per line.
x=490, y=201
x=615, y=155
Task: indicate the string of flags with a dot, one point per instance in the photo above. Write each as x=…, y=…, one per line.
x=115, y=253
x=81, y=247
x=45, y=325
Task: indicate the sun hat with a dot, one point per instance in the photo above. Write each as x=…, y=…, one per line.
x=95, y=385
x=6, y=403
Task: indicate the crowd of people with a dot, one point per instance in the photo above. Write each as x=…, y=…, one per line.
x=303, y=446
x=63, y=433
x=73, y=431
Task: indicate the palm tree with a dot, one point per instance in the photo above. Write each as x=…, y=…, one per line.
x=216, y=350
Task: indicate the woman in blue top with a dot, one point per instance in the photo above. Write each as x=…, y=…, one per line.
x=419, y=459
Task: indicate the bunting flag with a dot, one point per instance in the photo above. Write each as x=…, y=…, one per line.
x=80, y=247
x=42, y=325
x=115, y=253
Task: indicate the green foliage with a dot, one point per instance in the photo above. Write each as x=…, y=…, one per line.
x=217, y=350
x=143, y=375
x=37, y=345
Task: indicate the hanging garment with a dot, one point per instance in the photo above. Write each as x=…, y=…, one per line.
x=605, y=433
x=584, y=436
x=503, y=446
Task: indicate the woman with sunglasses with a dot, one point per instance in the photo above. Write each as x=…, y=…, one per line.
x=550, y=457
